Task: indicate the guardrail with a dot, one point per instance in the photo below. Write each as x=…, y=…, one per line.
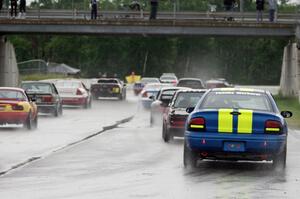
x=83, y=14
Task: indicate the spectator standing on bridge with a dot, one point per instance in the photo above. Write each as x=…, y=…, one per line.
x=260, y=5
x=13, y=8
x=272, y=9
x=94, y=9
x=22, y=8
x=154, y=5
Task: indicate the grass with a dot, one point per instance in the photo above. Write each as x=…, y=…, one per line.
x=293, y=105
x=37, y=77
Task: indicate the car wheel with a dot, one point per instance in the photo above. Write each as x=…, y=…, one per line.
x=121, y=96
x=90, y=104
x=124, y=95
x=86, y=105
x=151, y=120
x=279, y=161
x=189, y=157
x=35, y=122
x=28, y=123
x=165, y=134
x=94, y=97
x=60, y=110
x=56, y=111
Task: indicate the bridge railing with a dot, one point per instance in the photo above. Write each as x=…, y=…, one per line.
x=83, y=14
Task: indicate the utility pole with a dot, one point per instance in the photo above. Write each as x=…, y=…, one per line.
x=242, y=9
x=39, y=9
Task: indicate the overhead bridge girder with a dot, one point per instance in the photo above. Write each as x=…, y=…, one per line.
x=146, y=27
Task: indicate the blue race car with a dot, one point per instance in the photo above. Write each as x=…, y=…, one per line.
x=236, y=124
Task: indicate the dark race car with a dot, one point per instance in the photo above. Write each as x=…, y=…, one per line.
x=45, y=95
x=174, y=119
x=109, y=87
x=161, y=103
x=236, y=124
x=194, y=83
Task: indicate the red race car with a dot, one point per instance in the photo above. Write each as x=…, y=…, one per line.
x=17, y=108
x=74, y=92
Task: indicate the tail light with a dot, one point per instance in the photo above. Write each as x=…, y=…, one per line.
x=197, y=124
x=177, y=121
x=47, y=98
x=145, y=94
x=17, y=107
x=174, y=82
x=79, y=92
x=272, y=126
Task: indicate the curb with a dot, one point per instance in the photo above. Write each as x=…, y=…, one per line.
x=34, y=159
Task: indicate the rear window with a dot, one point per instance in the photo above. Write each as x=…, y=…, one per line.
x=149, y=80
x=190, y=83
x=107, y=81
x=185, y=100
x=152, y=87
x=167, y=94
x=168, y=78
x=68, y=84
x=12, y=95
x=237, y=100
x=37, y=88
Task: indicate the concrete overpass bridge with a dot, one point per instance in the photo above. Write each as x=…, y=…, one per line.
x=167, y=24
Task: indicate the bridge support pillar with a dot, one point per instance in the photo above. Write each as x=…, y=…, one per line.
x=9, y=73
x=290, y=74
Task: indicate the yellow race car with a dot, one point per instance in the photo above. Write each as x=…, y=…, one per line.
x=17, y=108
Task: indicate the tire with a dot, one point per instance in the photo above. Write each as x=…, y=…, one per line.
x=60, y=110
x=121, y=97
x=189, y=157
x=151, y=120
x=28, y=123
x=124, y=97
x=165, y=134
x=35, y=122
x=279, y=161
x=86, y=105
x=90, y=104
x=56, y=111
x=94, y=97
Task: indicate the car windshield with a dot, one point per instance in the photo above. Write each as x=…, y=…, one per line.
x=168, y=78
x=185, y=99
x=167, y=94
x=190, y=83
x=152, y=86
x=149, y=80
x=12, y=95
x=67, y=84
x=37, y=88
x=237, y=100
x=107, y=81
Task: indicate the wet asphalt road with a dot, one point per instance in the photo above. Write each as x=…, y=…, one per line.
x=132, y=161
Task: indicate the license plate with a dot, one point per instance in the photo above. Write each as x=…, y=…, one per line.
x=234, y=146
